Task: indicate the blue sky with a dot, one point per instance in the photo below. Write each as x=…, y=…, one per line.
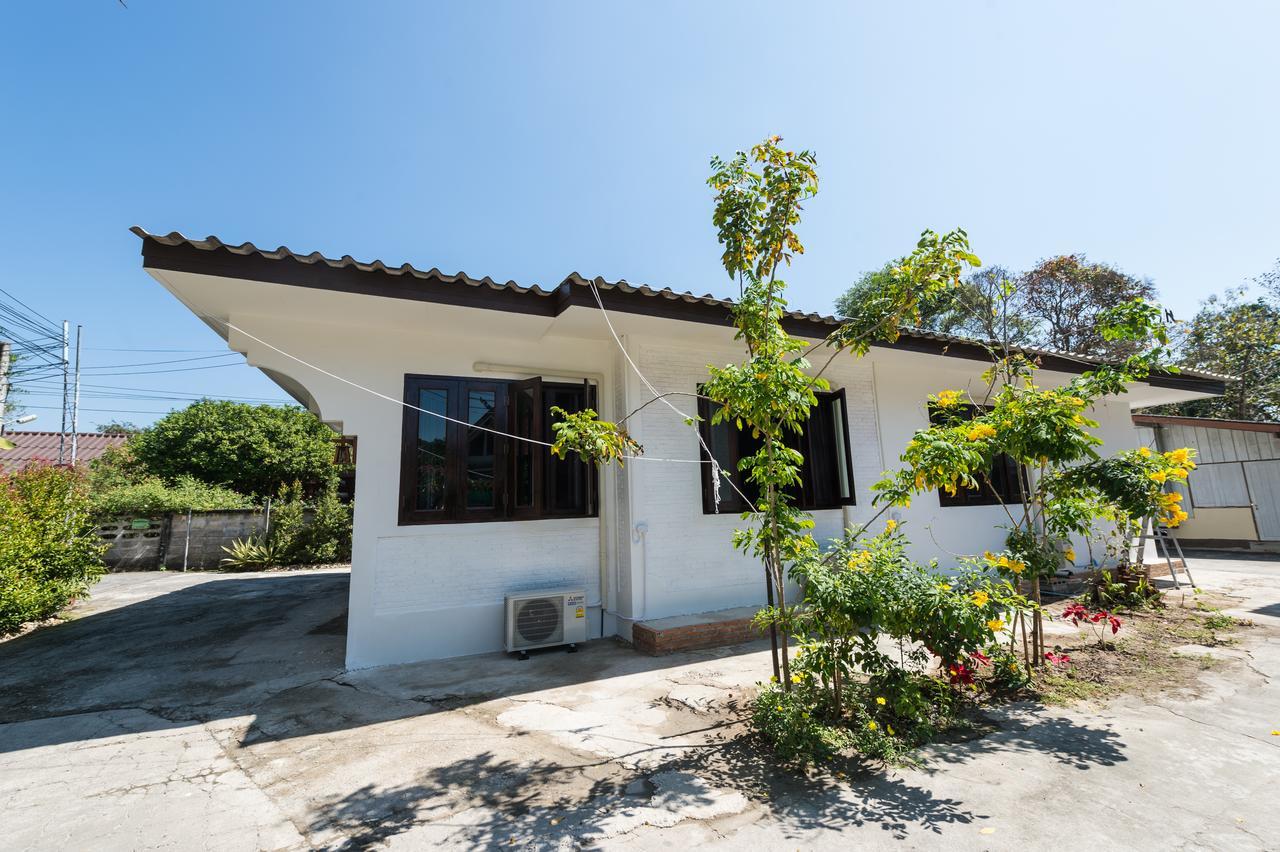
x=526, y=140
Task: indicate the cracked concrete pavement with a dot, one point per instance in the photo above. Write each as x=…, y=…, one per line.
x=184, y=710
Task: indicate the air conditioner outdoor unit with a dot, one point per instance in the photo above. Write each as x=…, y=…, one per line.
x=546, y=619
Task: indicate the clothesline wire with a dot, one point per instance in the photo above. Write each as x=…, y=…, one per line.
x=717, y=472
x=412, y=407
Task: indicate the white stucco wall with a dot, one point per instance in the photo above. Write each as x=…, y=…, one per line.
x=435, y=590
x=903, y=383
x=431, y=591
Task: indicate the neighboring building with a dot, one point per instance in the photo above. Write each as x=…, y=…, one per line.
x=1233, y=495
x=43, y=446
x=450, y=518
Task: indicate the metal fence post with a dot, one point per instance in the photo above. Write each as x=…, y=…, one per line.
x=186, y=545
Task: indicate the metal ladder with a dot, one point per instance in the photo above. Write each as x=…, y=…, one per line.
x=1161, y=536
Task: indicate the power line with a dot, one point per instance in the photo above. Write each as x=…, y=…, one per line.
x=175, y=370
x=52, y=325
x=170, y=361
x=126, y=349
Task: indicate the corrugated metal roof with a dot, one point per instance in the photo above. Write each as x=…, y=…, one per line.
x=43, y=446
x=212, y=243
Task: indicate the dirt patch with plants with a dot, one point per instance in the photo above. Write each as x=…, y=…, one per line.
x=1142, y=657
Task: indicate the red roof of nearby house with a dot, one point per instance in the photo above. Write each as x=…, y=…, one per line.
x=43, y=446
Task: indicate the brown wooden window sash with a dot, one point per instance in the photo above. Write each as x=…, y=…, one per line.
x=1001, y=480
x=826, y=475
x=451, y=472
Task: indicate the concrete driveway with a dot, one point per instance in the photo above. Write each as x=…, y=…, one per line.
x=203, y=710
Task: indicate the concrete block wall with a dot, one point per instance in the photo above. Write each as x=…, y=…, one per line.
x=165, y=541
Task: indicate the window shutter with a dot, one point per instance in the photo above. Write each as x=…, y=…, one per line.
x=528, y=461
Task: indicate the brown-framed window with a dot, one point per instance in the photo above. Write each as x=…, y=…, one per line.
x=826, y=475
x=465, y=468
x=999, y=485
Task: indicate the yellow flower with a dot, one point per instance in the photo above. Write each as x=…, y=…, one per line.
x=1178, y=473
x=795, y=678
x=1145, y=452
x=889, y=728
x=948, y=398
x=1017, y=567
x=1158, y=476
x=1070, y=554
x=1276, y=733
x=995, y=625
x=980, y=598
x=871, y=726
x=880, y=700
x=980, y=431
x=890, y=525
x=773, y=679
x=1077, y=419
x=1013, y=667
x=1179, y=457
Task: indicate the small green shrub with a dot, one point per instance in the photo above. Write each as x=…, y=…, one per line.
x=49, y=549
x=325, y=538
x=251, y=553
x=150, y=495
x=787, y=721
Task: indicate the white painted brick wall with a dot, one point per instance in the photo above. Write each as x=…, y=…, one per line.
x=691, y=564
x=461, y=565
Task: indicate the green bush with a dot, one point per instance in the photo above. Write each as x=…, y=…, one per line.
x=50, y=552
x=252, y=449
x=326, y=538
x=151, y=495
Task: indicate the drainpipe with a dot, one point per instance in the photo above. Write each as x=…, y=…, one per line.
x=602, y=554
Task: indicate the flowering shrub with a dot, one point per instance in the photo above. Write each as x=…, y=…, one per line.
x=49, y=548
x=1097, y=619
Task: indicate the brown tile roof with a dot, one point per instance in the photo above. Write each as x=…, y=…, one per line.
x=43, y=446
x=174, y=251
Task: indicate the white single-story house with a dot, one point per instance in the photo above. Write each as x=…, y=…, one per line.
x=450, y=519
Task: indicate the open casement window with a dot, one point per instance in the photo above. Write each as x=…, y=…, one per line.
x=465, y=468
x=826, y=475
x=1001, y=480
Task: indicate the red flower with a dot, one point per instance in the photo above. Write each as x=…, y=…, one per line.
x=981, y=657
x=1057, y=659
x=960, y=673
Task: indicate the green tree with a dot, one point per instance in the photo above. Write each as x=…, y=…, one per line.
x=252, y=449
x=1066, y=296
x=1239, y=337
x=759, y=196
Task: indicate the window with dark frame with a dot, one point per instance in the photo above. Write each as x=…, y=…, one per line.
x=826, y=475
x=999, y=485
x=467, y=469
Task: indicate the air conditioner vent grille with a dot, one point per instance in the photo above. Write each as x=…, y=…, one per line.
x=539, y=621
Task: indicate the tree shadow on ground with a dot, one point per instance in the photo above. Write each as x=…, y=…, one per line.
x=491, y=801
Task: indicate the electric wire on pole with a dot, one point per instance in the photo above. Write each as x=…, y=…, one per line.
x=6, y=356
x=66, y=390
x=75, y=402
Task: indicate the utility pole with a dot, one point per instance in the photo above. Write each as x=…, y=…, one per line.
x=5, y=358
x=66, y=388
x=75, y=403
